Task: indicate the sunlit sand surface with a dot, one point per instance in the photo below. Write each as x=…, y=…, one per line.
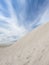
x=32, y=49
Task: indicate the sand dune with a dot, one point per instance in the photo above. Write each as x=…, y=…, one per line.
x=33, y=49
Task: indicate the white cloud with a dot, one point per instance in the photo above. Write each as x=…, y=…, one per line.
x=45, y=17
x=42, y=18
x=22, y=2
x=14, y=28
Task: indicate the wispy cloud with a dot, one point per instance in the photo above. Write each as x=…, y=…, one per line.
x=14, y=28
x=45, y=17
x=21, y=17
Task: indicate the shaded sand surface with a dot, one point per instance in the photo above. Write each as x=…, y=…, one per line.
x=33, y=49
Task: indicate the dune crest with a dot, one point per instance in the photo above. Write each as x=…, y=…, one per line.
x=33, y=49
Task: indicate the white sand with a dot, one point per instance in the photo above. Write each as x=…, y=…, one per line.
x=33, y=49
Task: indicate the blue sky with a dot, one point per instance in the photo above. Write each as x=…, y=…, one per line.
x=18, y=17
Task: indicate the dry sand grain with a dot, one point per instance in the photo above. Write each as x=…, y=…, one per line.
x=33, y=49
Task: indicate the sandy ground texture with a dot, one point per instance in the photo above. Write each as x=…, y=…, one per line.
x=33, y=49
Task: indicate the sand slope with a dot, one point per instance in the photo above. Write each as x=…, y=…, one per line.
x=33, y=49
